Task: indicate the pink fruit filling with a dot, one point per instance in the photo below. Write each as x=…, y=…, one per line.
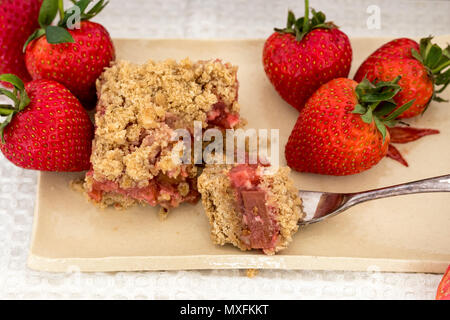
x=221, y=116
x=162, y=190
x=260, y=227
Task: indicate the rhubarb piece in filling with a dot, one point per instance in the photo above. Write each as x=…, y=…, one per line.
x=134, y=159
x=250, y=206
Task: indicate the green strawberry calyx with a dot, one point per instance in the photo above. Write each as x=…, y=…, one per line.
x=300, y=27
x=437, y=62
x=19, y=98
x=68, y=19
x=376, y=104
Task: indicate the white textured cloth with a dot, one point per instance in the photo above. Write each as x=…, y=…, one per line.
x=212, y=19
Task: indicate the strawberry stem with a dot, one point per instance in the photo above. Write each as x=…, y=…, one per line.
x=61, y=9
x=300, y=27
x=306, y=17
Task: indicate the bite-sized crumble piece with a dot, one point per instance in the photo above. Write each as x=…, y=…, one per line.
x=250, y=206
x=134, y=159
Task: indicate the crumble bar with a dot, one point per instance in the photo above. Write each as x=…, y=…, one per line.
x=134, y=159
x=250, y=206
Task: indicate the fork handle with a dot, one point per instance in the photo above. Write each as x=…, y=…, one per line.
x=436, y=184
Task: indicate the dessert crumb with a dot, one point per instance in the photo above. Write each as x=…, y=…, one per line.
x=163, y=212
x=251, y=273
x=77, y=184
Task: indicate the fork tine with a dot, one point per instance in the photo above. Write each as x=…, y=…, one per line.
x=318, y=205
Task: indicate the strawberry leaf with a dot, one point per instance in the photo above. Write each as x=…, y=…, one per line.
x=13, y=79
x=381, y=127
x=368, y=116
x=47, y=13
x=385, y=108
x=393, y=84
x=442, y=79
x=4, y=124
x=433, y=56
x=439, y=99
x=24, y=100
x=82, y=4
x=416, y=55
x=18, y=96
x=318, y=17
x=359, y=109
x=425, y=43
x=96, y=9
x=290, y=20
x=381, y=91
x=390, y=123
x=399, y=111
x=35, y=35
x=57, y=35
x=10, y=95
x=386, y=95
x=6, y=109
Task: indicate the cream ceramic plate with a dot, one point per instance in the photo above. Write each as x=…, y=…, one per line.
x=408, y=234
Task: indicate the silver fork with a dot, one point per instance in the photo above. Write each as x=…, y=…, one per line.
x=321, y=205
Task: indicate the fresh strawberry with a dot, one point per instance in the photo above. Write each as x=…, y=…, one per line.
x=396, y=49
x=342, y=128
x=421, y=67
x=443, y=291
x=46, y=128
x=18, y=19
x=74, y=57
x=305, y=55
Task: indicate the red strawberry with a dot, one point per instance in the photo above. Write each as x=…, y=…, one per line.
x=46, y=129
x=17, y=20
x=443, y=291
x=75, y=58
x=395, y=49
x=305, y=55
x=342, y=128
x=421, y=69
